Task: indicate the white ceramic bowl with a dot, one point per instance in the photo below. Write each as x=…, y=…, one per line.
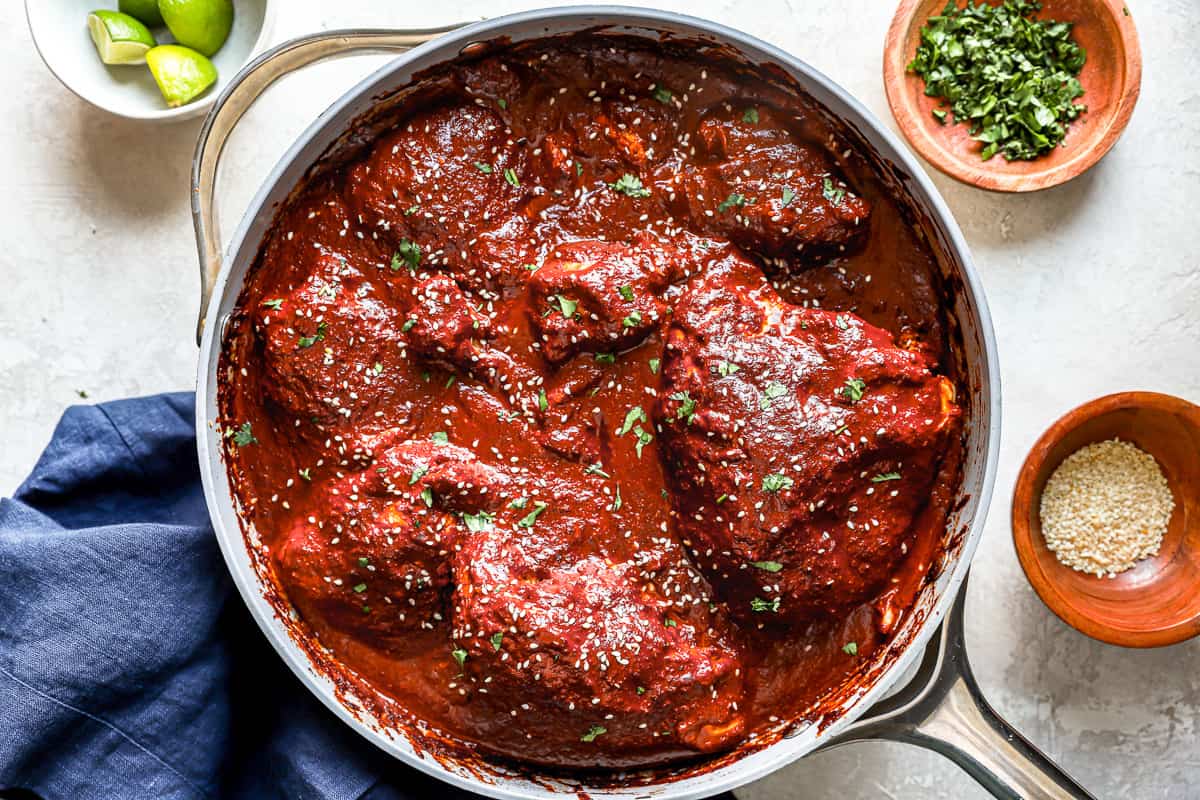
x=59, y=30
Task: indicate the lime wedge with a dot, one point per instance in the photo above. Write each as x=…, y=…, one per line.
x=119, y=38
x=202, y=25
x=181, y=73
x=145, y=10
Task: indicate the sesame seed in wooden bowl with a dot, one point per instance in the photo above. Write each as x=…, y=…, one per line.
x=1147, y=592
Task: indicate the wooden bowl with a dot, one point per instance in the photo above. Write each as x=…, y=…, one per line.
x=1111, y=80
x=1157, y=602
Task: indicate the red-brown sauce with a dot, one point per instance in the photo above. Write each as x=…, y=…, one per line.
x=600, y=411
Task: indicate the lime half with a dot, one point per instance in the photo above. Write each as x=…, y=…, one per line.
x=119, y=38
x=202, y=25
x=181, y=73
x=145, y=10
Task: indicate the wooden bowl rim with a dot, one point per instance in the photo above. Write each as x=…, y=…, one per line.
x=895, y=66
x=1022, y=534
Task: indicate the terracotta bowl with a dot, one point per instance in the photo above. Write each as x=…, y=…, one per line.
x=1111, y=80
x=1157, y=602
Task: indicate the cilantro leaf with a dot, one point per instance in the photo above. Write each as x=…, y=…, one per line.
x=480, y=521
x=687, y=407
x=566, y=306
x=776, y=481
x=407, y=253
x=630, y=185
x=759, y=605
x=243, y=436
x=529, y=519
x=734, y=200
x=635, y=414
x=833, y=194
x=593, y=732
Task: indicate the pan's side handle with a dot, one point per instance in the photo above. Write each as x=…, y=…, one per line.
x=942, y=709
x=240, y=94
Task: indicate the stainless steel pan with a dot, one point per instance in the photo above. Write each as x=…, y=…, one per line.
x=941, y=709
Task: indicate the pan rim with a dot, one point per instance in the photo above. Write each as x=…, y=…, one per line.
x=232, y=539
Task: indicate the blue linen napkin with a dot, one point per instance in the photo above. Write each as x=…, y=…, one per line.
x=129, y=667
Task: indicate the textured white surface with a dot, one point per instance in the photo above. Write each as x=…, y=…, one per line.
x=1094, y=287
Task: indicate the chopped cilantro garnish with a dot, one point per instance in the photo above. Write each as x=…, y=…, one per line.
x=787, y=196
x=593, y=732
x=630, y=185
x=566, y=306
x=529, y=519
x=407, y=253
x=774, y=391
x=417, y=474
x=670, y=623
x=687, y=407
x=633, y=320
x=850, y=648
x=480, y=521
x=305, y=342
x=758, y=604
x=776, y=481
x=427, y=496
x=641, y=690
x=635, y=414
x=497, y=639
x=625, y=292
x=726, y=368
x=662, y=94
x=833, y=194
x=654, y=362
x=643, y=439
x=750, y=115
x=853, y=390
x=460, y=656
x=769, y=566
x=1010, y=77
x=243, y=436
x=734, y=200
x=502, y=103
x=440, y=437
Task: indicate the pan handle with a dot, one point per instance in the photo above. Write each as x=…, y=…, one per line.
x=942, y=709
x=240, y=94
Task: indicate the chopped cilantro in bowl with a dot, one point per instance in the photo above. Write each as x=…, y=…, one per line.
x=1010, y=77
